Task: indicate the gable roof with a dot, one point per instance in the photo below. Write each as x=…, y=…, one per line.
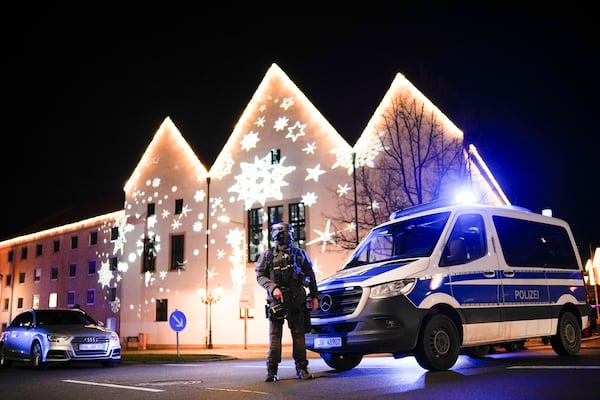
x=167, y=146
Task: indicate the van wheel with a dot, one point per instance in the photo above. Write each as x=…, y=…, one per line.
x=438, y=345
x=567, y=340
x=341, y=362
x=477, y=351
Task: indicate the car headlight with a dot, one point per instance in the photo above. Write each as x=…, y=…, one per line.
x=58, y=338
x=394, y=288
x=114, y=338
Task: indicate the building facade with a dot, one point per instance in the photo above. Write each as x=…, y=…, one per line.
x=188, y=236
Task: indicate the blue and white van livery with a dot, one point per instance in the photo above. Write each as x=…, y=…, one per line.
x=438, y=279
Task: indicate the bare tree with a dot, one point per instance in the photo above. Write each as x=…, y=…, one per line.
x=419, y=159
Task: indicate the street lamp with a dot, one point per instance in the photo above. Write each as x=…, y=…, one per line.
x=209, y=299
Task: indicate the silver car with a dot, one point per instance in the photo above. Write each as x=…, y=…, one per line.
x=43, y=336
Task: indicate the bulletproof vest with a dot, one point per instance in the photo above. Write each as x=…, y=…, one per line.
x=284, y=270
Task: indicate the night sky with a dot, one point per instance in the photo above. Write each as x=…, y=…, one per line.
x=85, y=90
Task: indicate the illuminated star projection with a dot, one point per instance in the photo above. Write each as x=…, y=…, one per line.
x=260, y=181
x=325, y=237
x=295, y=131
x=314, y=173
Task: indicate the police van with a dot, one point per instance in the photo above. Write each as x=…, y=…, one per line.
x=437, y=280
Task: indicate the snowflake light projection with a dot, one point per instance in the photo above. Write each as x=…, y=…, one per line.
x=260, y=181
x=249, y=141
x=105, y=275
x=223, y=166
x=343, y=159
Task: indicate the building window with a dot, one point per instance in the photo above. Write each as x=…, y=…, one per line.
x=149, y=256
x=177, y=260
x=39, y=249
x=298, y=221
x=114, y=233
x=54, y=273
x=35, y=301
x=93, y=238
x=151, y=209
x=11, y=256
x=74, y=242
x=114, y=263
x=112, y=294
x=8, y=280
x=91, y=297
x=70, y=298
x=53, y=300
x=5, y=304
x=255, y=231
x=178, y=206
x=23, y=253
x=72, y=270
x=37, y=274
x=275, y=156
x=56, y=246
x=91, y=267
x=161, y=309
x=275, y=215
x=20, y=302
x=21, y=277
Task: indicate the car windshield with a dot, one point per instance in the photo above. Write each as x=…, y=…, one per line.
x=410, y=238
x=66, y=317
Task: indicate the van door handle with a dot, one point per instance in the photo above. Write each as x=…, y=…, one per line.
x=489, y=274
x=509, y=274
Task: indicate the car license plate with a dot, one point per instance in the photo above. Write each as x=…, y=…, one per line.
x=329, y=342
x=91, y=346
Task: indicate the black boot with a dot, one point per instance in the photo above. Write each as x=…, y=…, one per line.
x=302, y=371
x=271, y=373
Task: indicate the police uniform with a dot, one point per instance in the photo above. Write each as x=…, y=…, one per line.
x=288, y=268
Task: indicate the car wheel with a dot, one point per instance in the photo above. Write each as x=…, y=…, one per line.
x=438, y=345
x=341, y=362
x=567, y=340
x=4, y=362
x=36, y=356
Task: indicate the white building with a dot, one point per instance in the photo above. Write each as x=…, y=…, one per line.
x=188, y=236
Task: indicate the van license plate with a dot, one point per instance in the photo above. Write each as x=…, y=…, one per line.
x=326, y=343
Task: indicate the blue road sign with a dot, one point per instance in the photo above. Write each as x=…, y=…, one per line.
x=177, y=320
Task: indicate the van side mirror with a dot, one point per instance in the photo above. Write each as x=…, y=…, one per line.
x=455, y=253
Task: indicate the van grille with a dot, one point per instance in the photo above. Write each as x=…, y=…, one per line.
x=337, y=302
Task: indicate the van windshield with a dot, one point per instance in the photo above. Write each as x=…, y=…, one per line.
x=410, y=238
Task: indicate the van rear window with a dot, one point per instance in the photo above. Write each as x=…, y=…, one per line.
x=534, y=244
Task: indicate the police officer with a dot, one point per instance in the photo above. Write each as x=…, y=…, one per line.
x=285, y=271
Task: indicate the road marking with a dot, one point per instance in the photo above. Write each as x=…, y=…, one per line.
x=237, y=390
x=113, y=386
x=555, y=367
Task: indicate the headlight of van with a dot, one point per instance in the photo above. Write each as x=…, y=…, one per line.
x=394, y=288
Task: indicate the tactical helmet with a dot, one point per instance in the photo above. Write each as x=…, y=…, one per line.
x=282, y=233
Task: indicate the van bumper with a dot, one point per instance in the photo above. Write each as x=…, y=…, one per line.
x=388, y=325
